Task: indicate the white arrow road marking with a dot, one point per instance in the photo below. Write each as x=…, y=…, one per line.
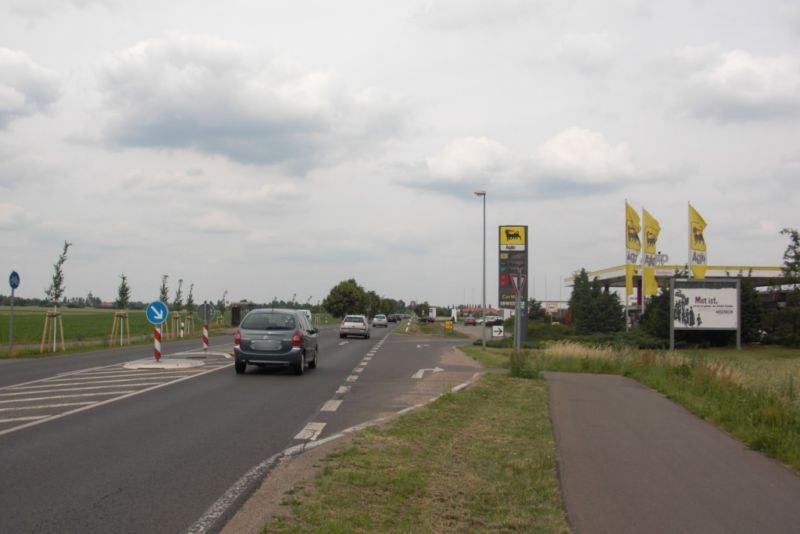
x=311, y=431
x=331, y=406
x=421, y=372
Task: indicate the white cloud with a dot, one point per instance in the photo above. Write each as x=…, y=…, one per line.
x=216, y=97
x=588, y=53
x=738, y=85
x=25, y=87
x=459, y=14
x=585, y=157
x=470, y=159
x=576, y=161
x=13, y=216
x=217, y=221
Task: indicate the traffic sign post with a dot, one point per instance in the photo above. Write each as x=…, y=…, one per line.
x=157, y=313
x=13, y=281
x=518, y=281
x=205, y=312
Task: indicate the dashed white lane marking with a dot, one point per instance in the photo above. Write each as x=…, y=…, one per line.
x=352, y=378
x=311, y=431
x=342, y=343
x=331, y=406
x=358, y=370
x=342, y=390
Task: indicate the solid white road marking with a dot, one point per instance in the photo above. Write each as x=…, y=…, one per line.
x=421, y=372
x=31, y=418
x=97, y=394
x=62, y=390
x=43, y=406
x=331, y=406
x=311, y=431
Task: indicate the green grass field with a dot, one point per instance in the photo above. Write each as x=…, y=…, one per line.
x=83, y=327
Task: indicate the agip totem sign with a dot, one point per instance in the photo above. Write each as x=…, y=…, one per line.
x=513, y=259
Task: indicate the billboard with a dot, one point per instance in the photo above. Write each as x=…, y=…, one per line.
x=705, y=305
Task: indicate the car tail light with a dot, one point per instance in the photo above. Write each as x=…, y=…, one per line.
x=296, y=338
x=237, y=338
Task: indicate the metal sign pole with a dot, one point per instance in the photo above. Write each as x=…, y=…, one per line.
x=11, y=326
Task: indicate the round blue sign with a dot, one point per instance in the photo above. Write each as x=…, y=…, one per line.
x=157, y=312
x=13, y=280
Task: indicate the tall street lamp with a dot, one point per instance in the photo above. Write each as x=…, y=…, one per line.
x=483, y=301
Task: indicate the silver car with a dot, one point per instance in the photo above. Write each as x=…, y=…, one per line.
x=354, y=325
x=380, y=320
x=275, y=338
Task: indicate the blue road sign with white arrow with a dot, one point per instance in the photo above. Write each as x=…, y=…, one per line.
x=13, y=280
x=157, y=312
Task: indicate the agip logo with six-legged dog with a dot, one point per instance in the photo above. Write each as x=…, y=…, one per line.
x=513, y=237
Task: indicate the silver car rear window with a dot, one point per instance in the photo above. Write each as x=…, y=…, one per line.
x=268, y=321
x=353, y=319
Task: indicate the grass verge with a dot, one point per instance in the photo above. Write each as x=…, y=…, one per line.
x=738, y=395
x=479, y=461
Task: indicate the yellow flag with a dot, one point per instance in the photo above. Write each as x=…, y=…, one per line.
x=651, y=231
x=632, y=245
x=697, y=244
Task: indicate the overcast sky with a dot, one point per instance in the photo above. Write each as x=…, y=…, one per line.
x=277, y=148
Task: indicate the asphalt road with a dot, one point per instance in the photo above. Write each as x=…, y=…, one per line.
x=156, y=461
x=630, y=460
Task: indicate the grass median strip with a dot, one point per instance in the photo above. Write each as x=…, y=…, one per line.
x=482, y=460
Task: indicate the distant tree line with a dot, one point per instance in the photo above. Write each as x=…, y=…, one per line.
x=349, y=297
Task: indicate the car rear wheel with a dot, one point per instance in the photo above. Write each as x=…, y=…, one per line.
x=313, y=363
x=240, y=366
x=300, y=368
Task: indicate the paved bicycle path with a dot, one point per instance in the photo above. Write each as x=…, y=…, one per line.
x=631, y=460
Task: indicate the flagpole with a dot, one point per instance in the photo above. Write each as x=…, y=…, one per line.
x=690, y=274
x=644, y=253
x=625, y=266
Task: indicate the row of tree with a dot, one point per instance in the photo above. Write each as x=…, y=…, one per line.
x=349, y=297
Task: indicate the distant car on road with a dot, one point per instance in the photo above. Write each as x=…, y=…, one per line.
x=275, y=338
x=380, y=320
x=427, y=319
x=354, y=325
x=470, y=321
x=493, y=320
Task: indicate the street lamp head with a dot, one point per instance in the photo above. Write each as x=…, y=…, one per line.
x=480, y=193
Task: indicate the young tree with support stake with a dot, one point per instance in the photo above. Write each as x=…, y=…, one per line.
x=121, y=323
x=54, y=294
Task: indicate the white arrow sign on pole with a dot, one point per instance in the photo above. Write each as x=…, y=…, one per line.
x=421, y=372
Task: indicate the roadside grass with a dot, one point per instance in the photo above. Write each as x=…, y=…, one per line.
x=84, y=329
x=747, y=394
x=482, y=460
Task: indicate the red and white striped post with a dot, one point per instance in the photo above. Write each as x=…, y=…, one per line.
x=157, y=342
x=205, y=337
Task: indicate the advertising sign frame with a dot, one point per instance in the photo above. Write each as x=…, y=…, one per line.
x=705, y=296
x=512, y=249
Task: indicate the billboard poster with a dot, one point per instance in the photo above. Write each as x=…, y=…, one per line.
x=710, y=305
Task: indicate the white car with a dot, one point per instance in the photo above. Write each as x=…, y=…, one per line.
x=354, y=325
x=380, y=320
